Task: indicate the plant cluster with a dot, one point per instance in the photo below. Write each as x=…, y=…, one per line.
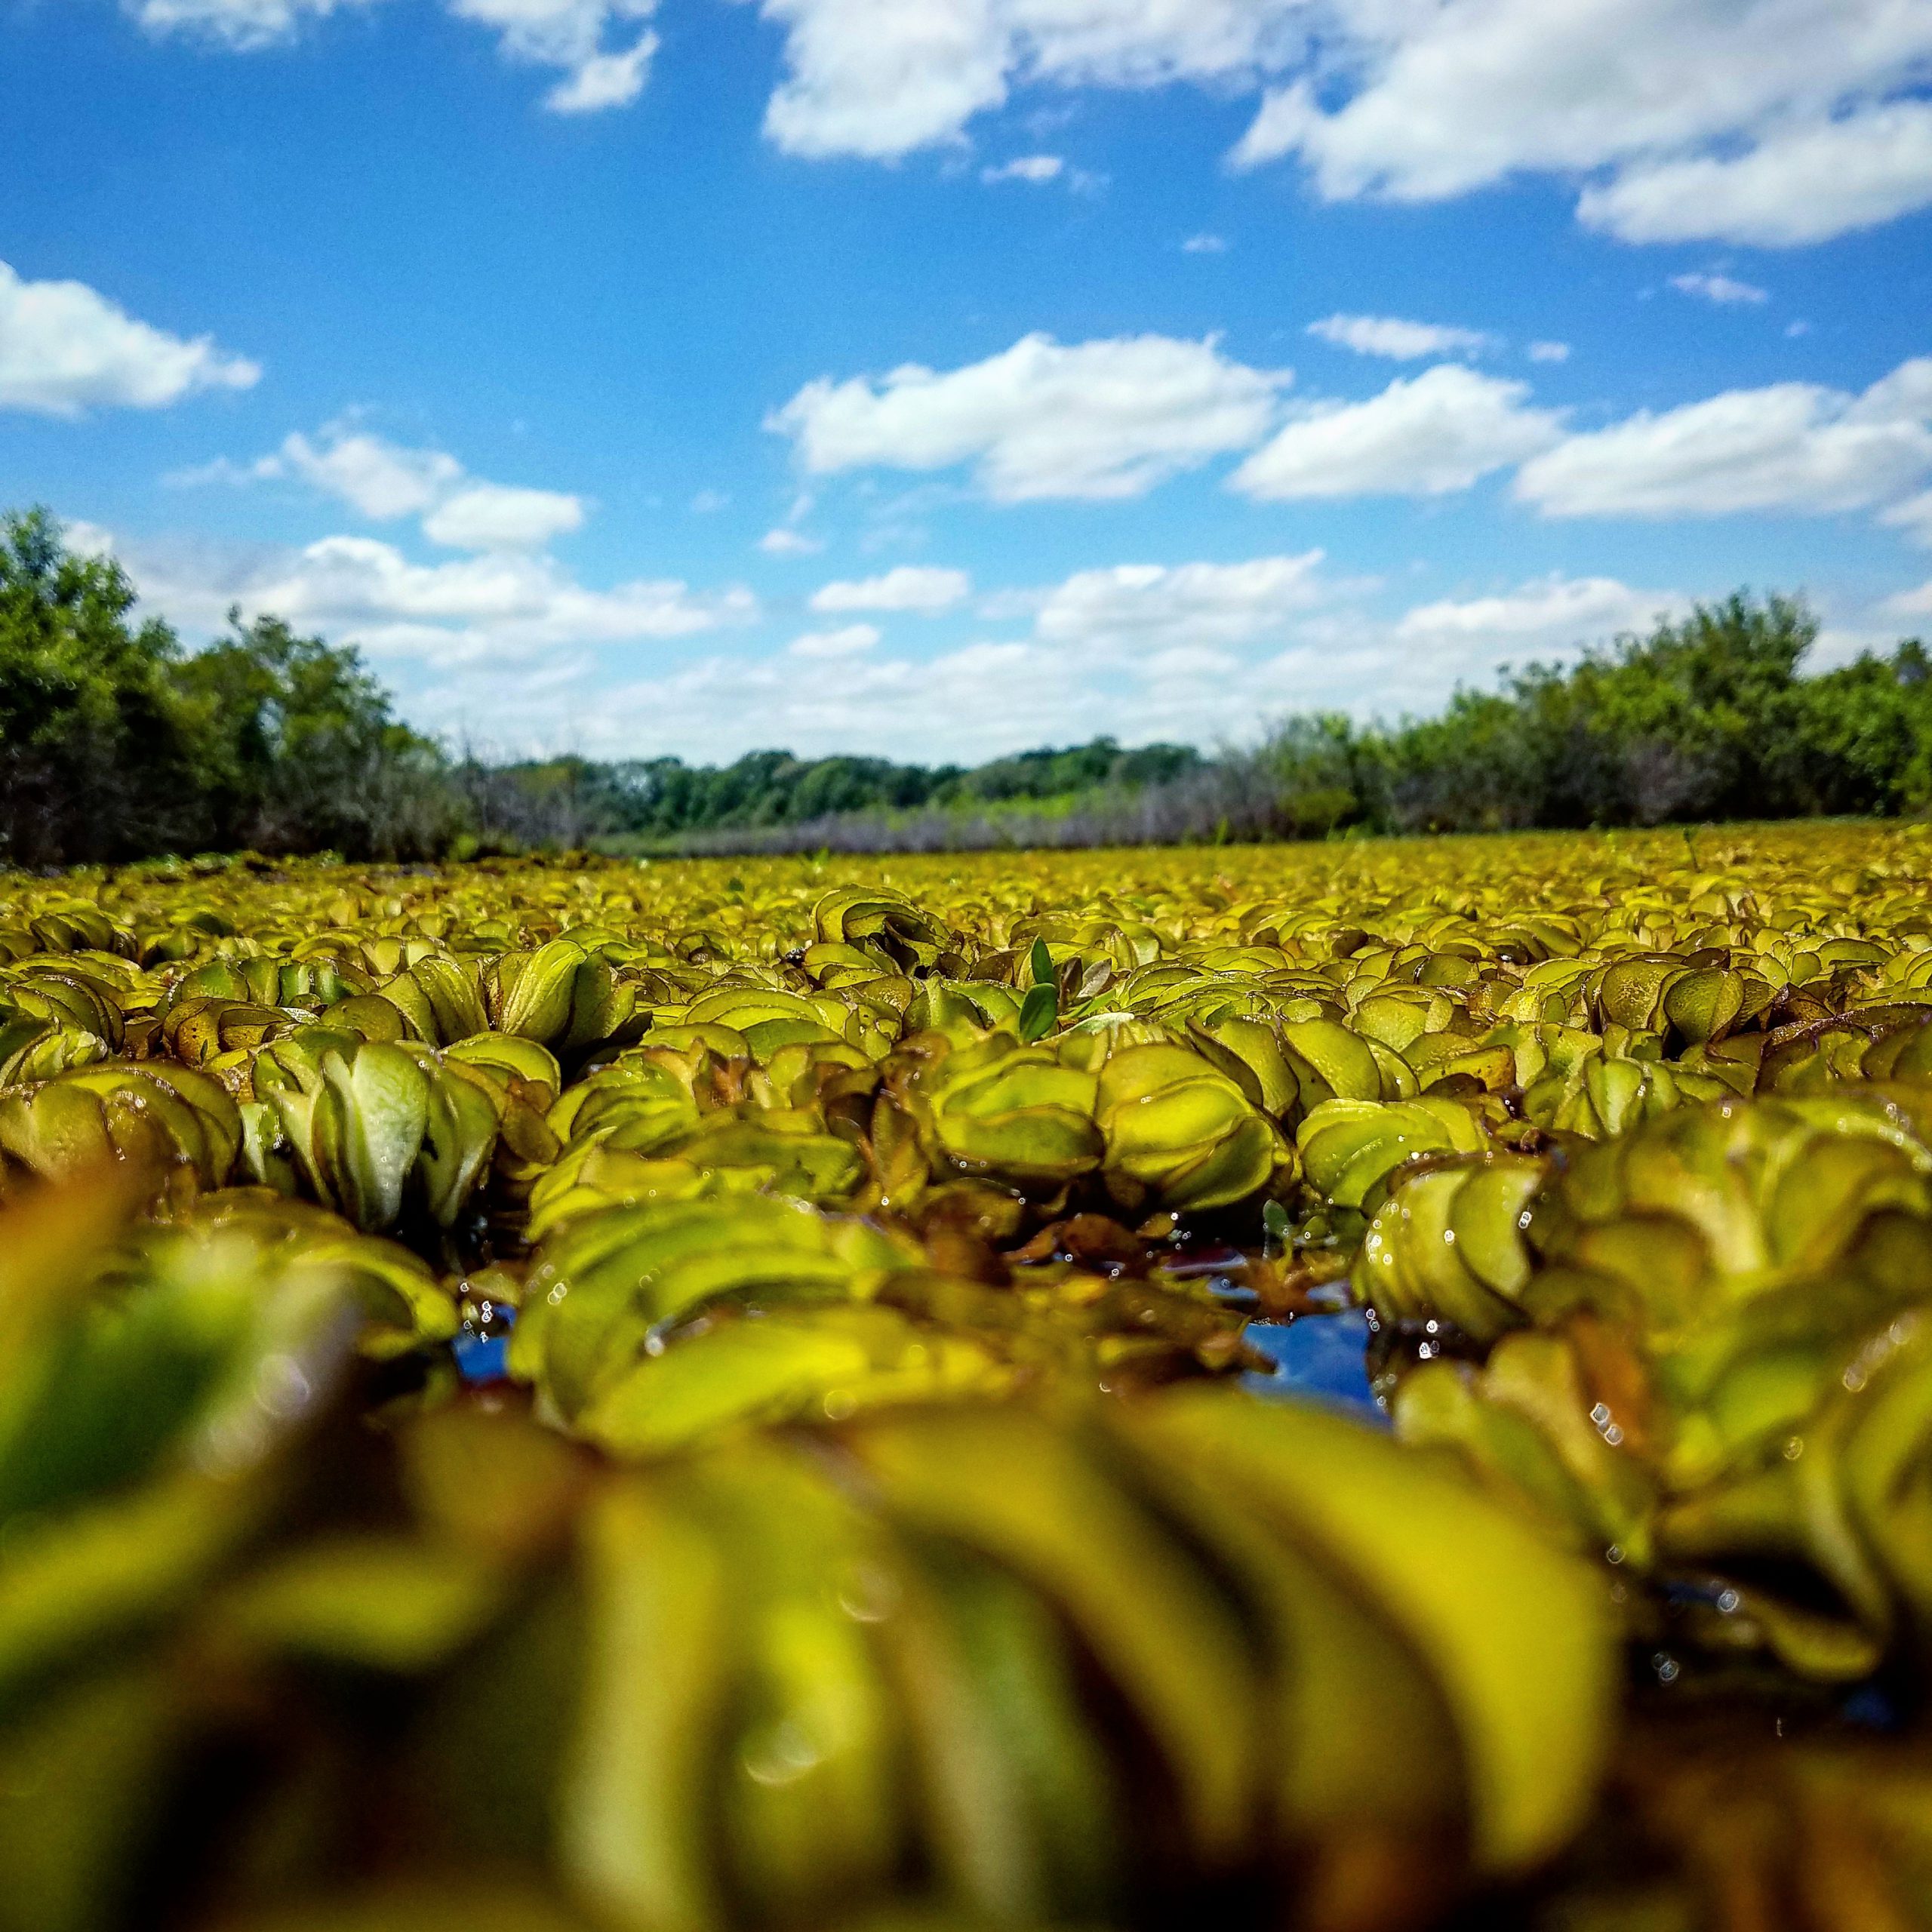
x=611, y=1396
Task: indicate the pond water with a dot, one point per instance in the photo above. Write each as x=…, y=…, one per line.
x=1324, y=1357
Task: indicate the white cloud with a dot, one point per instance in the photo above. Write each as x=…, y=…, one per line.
x=1805, y=182
x=850, y=641
x=986, y=698
x=1037, y=168
x=375, y=477
x=1348, y=660
x=1792, y=446
x=66, y=348
x=87, y=539
x=1142, y=651
x=1911, y=603
x=1400, y=341
x=383, y=481
x=571, y=34
x=1128, y=655
x=708, y=502
x=1719, y=289
x=1761, y=121
x=784, y=542
x=1838, y=644
x=507, y=605
x=878, y=78
x=1099, y=420
x=1914, y=516
x=1139, y=607
x=604, y=80
x=958, y=707
x=1555, y=611
x=493, y=516
x=925, y=588
x=1424, y=435
x=1204, y=244
x=1549, y=352
x=500, y=609
x=242, y=25
x=881, y=78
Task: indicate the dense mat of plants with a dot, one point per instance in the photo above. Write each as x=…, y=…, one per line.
x=593, y=1396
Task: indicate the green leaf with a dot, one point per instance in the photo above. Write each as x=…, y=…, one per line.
x=1039, y=1013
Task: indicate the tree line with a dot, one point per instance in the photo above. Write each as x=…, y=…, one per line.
x=663, y=802
x=117, y=743
x=1709, y=718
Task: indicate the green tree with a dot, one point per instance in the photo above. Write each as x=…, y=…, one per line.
x=94, y=759
x=297, y=749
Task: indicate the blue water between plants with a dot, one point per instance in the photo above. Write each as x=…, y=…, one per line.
x=1324, y=1357
x=482, y=1357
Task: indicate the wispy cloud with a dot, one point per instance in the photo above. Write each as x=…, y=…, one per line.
x=1722, y=290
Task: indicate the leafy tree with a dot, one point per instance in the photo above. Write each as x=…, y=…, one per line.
x=1710, y=718
x=296, y=747
x=115, y=745
x=94, y=759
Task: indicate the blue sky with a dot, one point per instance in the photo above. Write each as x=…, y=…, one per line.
x=937, y=377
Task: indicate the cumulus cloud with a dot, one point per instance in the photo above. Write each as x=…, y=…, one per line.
x=927, y=590
x=1911, y=603
x=850, y=642
x=1549, y=352
x=500, y=609
x=1750, y=121
x=494, y=516
x=1555, y=611
x=1137, y=607
x=371, y=475
x=1802, y=183
x=383, y=481
x=784, y=542
x=1108, y=419
x=1722, y=290
x=1424, y=435
x=66, y=348
x=1399, y=341
x=1037, y=168
x=1792, y=446
x=881, y=77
